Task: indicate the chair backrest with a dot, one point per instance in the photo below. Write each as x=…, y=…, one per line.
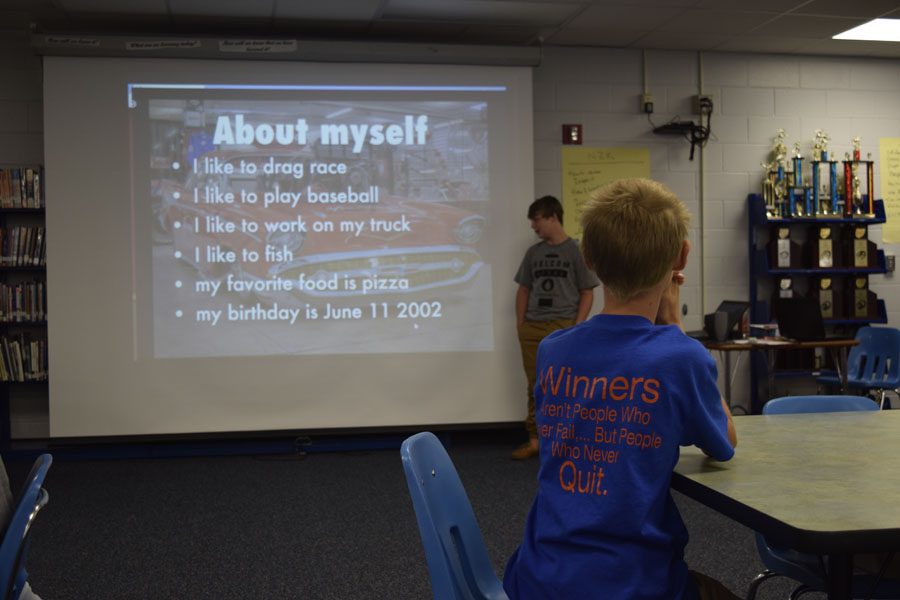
x=876, y=359
x=458, y=562
x=14, y=547
x=817, y=404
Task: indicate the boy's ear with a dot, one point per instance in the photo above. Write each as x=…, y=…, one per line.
x=681, y=261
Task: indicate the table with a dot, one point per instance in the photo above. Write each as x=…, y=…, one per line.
x=838, y=348
x=820, y=483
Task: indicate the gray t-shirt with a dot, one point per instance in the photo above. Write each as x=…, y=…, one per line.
x=555, y=275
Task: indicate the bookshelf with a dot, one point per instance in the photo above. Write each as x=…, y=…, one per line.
x=23, y=290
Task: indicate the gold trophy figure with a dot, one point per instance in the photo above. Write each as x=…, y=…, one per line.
x=779, y=161
x=824, y=188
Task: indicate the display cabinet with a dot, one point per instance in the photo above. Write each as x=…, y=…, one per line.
x=828, y=257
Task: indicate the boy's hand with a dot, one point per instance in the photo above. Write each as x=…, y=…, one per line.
x=670, y=304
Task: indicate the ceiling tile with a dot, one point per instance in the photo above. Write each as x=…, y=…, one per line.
x=222, y=8
x=779, y=6
x=806, y=26
x=624, y=17
x=673, y=40
x=716, y=21
x=500, y=34
x=842, y=8
x=350, y=10
x=765, y=26
x=761, y=43
x=481, y=11
x=571, y=36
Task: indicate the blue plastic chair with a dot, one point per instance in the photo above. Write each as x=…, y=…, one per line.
x=792, y=405
x=14, y=548
x=809, y=569
x=873, y=366
x=458, y=562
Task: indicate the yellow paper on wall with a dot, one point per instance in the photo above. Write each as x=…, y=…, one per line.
x=889, y=150
x=585, y=169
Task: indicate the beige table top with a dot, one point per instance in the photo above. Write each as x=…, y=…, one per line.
x=824, y=483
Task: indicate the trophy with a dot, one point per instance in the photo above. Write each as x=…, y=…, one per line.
x=862, y=300
x=800, y=195
x=768, y=189
x=775, y=185
x=785, y=288
x=824, y=192
x=822, y=240
x=783, y=252
x=860, y=252
x=849, y=178
x=857, y=203
x=870, y=186
x=829, y=302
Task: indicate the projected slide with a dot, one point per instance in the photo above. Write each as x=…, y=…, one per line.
x=279, y=246
x=313, y=220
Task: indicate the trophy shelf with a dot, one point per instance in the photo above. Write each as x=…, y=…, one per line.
x=758, y=215
x=830, y=257
x=761, y=260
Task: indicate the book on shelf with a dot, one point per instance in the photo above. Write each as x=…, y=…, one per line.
x=21, y=187
x=23, y=246
x=23, y=302
x=23, y=359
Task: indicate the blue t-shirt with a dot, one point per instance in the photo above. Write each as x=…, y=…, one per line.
x=615, y=398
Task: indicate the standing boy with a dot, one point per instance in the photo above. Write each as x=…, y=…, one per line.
x=616, y=397
x=556, y=290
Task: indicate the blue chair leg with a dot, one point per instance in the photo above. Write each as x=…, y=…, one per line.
x=757, y=581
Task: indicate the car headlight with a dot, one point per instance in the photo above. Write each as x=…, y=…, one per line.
x=289, y=240
x=469, y=229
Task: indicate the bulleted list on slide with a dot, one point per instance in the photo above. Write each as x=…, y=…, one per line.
x=283, y=227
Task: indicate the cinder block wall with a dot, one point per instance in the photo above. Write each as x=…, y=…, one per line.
x=754, y=95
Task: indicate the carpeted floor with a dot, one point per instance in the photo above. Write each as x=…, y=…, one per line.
x=330, y=525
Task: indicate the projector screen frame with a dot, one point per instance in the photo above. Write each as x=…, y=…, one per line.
x=494, y=402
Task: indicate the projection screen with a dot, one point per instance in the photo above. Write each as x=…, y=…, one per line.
x=252, y=246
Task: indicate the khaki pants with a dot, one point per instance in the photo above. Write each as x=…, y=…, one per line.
x=530, y=335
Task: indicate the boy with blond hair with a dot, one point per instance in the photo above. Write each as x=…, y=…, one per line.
x=616, y=397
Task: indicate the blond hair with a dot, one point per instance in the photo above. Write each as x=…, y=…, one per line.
x=633, y=232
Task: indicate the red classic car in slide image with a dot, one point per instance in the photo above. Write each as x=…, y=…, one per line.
x=396, y=243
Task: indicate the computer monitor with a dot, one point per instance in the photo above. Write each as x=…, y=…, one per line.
x=735, y=310
x=799, y=318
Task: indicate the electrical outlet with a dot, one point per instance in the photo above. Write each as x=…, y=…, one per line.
x=890, y=262
x=703, y=104
x=647, y=103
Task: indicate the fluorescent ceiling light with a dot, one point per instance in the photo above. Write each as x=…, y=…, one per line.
x=877, y=30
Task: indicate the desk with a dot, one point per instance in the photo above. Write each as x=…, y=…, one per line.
x=819, y=483
x=838, y=348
